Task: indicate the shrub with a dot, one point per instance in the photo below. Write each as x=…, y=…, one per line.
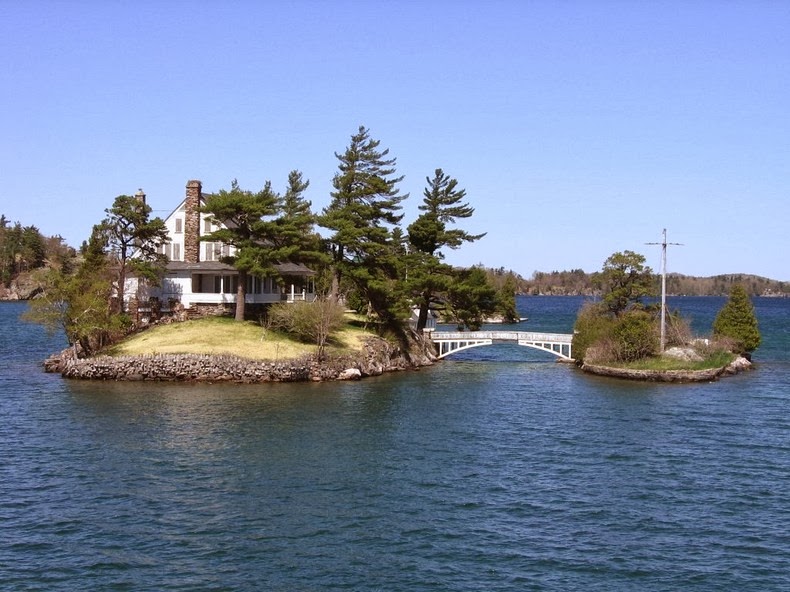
x=736, y=320
x=635, y=336
x=592, y=325
x=308, y=321
x=600, y=338
x=678, y=330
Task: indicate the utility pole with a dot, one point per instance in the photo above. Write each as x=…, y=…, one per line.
x=664, y=244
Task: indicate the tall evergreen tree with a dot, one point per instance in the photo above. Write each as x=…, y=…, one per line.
x=13, y=262
x=129, y=230
x=737, y=321
x=428, y=276
x=295, y=227
x=6, y=261
x=34, y=249
x=471, y=298
x=366, y=204
x=248, y=219
x=506, y=299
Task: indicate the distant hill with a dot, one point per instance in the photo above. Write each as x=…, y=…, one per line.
x=720, y=285
x=576, y=282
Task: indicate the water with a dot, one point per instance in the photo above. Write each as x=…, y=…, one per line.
x=496, y=470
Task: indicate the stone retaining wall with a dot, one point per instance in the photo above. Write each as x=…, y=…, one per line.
x=377, y=357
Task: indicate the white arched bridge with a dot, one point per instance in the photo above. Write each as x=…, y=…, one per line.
x=449, y=342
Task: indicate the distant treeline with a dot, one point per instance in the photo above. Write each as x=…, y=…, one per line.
x=25, y=249
x=577, y=282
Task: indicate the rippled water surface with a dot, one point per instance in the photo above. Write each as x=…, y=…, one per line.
x=495, y=470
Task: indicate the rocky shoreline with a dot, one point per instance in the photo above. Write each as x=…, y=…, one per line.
x=377, y=357
x=738, y=365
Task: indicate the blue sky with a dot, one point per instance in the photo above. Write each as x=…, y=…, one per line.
x=578, y=129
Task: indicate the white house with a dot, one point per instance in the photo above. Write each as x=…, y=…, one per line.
x=195, y=277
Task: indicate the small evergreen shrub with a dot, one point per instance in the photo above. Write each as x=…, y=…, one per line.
x=737, y=321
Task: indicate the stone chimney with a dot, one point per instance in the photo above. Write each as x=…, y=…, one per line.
x=192, y=222
x=140, y=196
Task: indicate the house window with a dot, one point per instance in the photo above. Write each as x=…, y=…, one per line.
x=176, y=252
x=254, y=284
x=207, y=284
x=179, y=226
x=231, y=284
x=226, y=284
x=207, y=225
x=208, y=251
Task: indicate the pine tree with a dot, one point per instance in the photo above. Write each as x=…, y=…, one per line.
x=365, y=206
x=294, y=231
x=428, y=276
x=737, y=321
x=471, y=298
x=506, y=299
x=249, y=226
x=129, y=229
x=34, y=249
x=6, y=259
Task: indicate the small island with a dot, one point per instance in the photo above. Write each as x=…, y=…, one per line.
x=620, y=336
x=219, y=349
x=258, y=256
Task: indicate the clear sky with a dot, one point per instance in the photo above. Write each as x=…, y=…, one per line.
x=577, y=128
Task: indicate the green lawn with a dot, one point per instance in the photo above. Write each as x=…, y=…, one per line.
x=715, y=360
x=222, y=336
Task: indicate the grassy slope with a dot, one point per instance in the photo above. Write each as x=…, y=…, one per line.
x=225, y=336
x=715, y=360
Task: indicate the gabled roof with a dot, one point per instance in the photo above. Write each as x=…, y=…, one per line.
x=181, y=206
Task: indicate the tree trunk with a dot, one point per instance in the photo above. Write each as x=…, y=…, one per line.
x=241, y=295
x=334, y=291
x=121, y=285
x=422, y=319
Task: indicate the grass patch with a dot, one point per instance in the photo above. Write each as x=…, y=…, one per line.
x=224, y=336
x=714, y=360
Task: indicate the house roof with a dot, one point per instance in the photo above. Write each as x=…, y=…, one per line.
x=285, y=269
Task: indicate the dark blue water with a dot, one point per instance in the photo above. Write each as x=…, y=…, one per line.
x=499, y=470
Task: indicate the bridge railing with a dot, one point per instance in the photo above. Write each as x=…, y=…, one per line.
x=502, y=336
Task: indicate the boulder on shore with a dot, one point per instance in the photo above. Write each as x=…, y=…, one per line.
x=350, y=374
x=687, y=354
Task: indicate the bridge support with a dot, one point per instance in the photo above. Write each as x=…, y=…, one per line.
x=560, y=349
x=449, y=347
